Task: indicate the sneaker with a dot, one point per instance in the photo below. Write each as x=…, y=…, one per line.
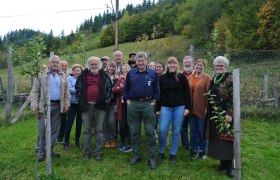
x=120, y=147
x=66, y=147
x=194, y=154
x=127, y=149
x=201, y=156
x=161, y=156
x=107, y=144
x=86, y=156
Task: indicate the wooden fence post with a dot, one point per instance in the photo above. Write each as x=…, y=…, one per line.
x=48, y=128
x=15, y=87
x=192, y=50
x=265, y=88
x=10, y=86
x=237, y=126
x=276, y=95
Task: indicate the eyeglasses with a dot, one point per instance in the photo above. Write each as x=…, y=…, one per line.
x=219, y=65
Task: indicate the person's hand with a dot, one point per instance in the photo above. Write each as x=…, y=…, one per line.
x=229, y=118
x=35, y=111
x=66, y=109
x=157, y=113
x=153, y=103
x=186, y=112
x=128, y=102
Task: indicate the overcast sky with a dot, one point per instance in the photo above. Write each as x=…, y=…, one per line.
x=45, y=15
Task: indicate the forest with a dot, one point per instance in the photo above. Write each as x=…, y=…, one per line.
x=217, y=24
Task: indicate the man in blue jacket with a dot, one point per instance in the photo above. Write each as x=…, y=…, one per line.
x=141, y=92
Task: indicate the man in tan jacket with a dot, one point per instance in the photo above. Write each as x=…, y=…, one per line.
x=56, y=82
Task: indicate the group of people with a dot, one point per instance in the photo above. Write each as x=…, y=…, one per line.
x=113, y=98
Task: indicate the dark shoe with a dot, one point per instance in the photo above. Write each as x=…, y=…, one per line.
x=201, y=156
x=66, y=147
x=60, y=141
x=98, y=157
x=55, y=155
x=152, y=164
x=127, y=149
x=86, y=156
x=173, y=158
x=120, y=147
x=134, y=160
x=193, y=154
x=78, y=145
x=161, y=156
x=230, y=173
x=41, y=158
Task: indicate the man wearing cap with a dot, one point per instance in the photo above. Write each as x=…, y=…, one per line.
x=105, y=60
x=131, y=60
x=57, y=84
x=118, y=58
x=141, y=92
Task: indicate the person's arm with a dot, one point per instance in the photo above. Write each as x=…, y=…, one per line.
x=35, y=96
x=109, y=89
x=126, y=88
x=71, y=86
x=66, y=95
x=187, y=98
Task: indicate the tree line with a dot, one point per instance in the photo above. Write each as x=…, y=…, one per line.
x=219, y=24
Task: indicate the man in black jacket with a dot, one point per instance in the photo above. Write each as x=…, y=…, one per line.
x=94, y=91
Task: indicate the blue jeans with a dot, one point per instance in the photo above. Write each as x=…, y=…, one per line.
x=168, y=115
x=197, y=129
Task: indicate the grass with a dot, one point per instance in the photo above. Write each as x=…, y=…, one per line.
x=260, y=153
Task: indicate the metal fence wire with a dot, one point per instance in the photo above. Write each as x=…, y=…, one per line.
x=259, y=74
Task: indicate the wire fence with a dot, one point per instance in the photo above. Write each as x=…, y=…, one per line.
x=259, y=76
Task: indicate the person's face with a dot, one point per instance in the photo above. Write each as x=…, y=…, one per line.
x=104, y=63
x=93, y=66
x=77, y=71
x=172, y=66
x=54, y=64
x=159, y=68
x=111, y=70
x=152, y=65
x=118, y=58
x=132, y=57
x=141, y=63
x=199, y=67
x=124, y=70
x=220, y=68
x=63, y=66
x=188, y=65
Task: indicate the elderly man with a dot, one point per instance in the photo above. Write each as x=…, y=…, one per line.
x=140, y=93
x=188, y=69
x=94, y=92
x=57, y=84
x=105, y=60
x=118, y=58
x=63, y=66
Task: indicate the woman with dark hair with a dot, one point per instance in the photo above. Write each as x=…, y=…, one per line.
x=160, y=67
x=199, y=85
x=173, y=105
x=219, y=118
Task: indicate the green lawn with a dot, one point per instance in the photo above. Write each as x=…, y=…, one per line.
x=260, y=152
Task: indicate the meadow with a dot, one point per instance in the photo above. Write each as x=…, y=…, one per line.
x=260, y=157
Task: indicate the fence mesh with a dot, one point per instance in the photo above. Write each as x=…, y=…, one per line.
x=259, y=74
